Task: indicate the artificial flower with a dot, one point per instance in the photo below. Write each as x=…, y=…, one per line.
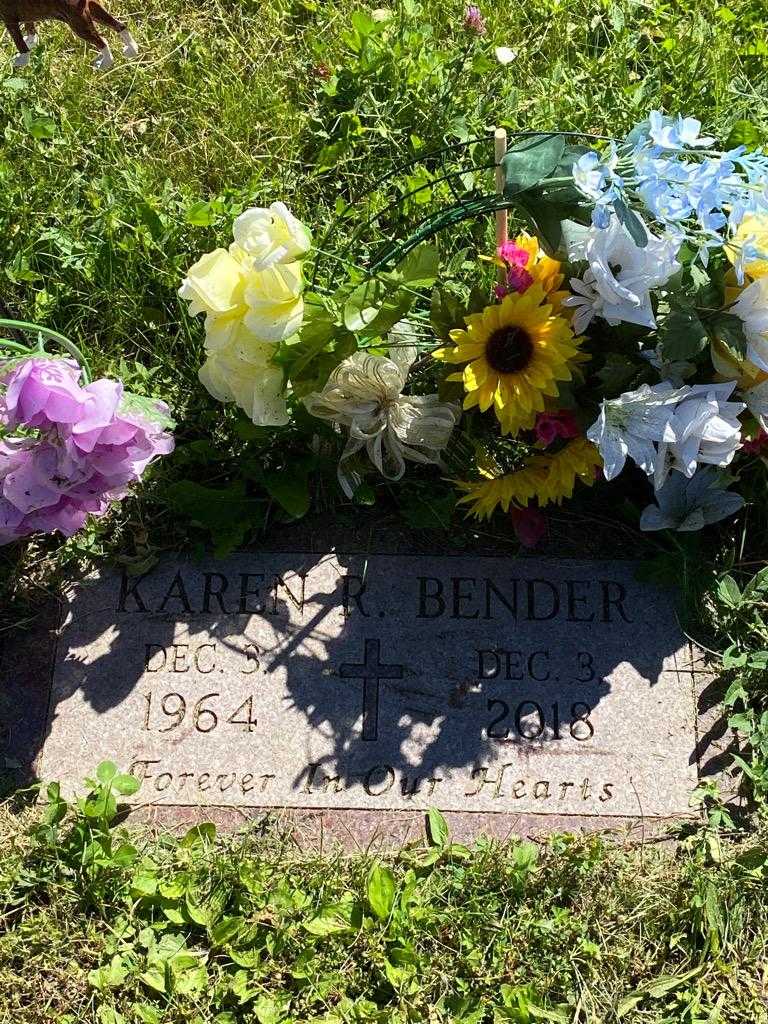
x=364, y=395
x=225, y=287
x=526, y=263
x=515, y=353
x=275, y=306
x=552, y=425
x=529, y=525
x=703, y=428
x=94, y=442
x=215, y=285
x=549, y=478
x=756, y=400
x=577, y=460
x=686, y=504
x=752, y=309
x=677, y=132
x=271, y=236
x=618, y=281
x=242, y=371
x=631, y=426
x=515, y=489
x=755, y=445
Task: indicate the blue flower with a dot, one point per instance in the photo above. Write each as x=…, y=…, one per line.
x=595, y=177
x=677, y=133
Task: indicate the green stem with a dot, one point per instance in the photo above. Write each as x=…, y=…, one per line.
x=66, y=344
x=15, y=346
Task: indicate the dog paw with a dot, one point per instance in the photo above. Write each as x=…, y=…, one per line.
x=21, y=60
x=130, y=46
x=104, y=60
x=32, y=40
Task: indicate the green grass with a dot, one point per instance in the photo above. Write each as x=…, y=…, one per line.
x=110, y=187
x=249, y=929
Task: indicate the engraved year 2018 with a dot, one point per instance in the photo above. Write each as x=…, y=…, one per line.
x=530, y=720
x=169, y=711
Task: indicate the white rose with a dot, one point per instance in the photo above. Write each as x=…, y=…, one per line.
x=275, y=306
x=271, y=236
x=214, y=285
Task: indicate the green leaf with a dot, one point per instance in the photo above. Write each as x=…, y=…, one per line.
x=381, y=891
x=729, y=328
x=106, y=771
x=682, y=335
x=420, y=267
x=199, y=835
x=531, y=161
x=226, y=930
x=728, y=592
x=744, y=133
x=126, y=785
x=332, y=919
x=437, y=828
x=637, y=230
x=290, y=489
x=202, y=214
x=39, y=127
x=226, y=512
x=375, y=306
x=446, y=313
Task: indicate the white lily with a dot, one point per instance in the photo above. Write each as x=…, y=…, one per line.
x=756, y=399
x=685, y=504
x=631, y=426
x=617, y=283
x=703, y=428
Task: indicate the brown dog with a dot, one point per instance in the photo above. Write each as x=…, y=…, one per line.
x=82, y=16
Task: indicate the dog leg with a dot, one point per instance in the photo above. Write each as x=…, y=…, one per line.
x=100, y=14
x=22, y=57
x=31, y=37
x=130, y=46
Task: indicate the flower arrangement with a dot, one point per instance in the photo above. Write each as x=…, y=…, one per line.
x=69, y=446
x=627, y=327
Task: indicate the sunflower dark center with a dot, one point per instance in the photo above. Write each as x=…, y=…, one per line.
x=509, y=350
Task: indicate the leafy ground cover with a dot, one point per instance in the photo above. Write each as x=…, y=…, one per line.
x=97, y=924
x=110, y=187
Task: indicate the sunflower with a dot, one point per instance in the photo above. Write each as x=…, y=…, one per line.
x=547, y=478
x=515, y=352
x=578, y=460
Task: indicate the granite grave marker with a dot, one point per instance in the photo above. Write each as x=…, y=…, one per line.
x=548, y=693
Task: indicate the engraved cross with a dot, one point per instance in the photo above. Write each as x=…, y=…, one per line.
x=371, y=671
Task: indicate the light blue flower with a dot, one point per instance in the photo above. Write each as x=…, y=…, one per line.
x=594, y=176
x=676, y=133
x=687, y=504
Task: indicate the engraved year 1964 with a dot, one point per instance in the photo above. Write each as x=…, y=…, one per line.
x=171, y=710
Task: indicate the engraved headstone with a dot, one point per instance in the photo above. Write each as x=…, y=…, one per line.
x=515, y=693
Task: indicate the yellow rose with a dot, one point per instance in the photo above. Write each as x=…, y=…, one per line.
x=215, y=285
x=275, y=306
x=271, y=236
x=754, y=230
